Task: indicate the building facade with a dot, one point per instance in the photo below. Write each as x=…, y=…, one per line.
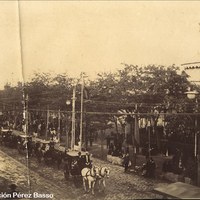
x=193, y=70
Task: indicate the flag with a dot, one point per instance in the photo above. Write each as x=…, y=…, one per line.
x=136, y=131
x=86, y=94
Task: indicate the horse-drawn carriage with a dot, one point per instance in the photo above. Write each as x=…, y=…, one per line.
x=74, y=162
x=45, y=150
x=25, y=144
x=38, y=147
x=41, y=149
x=52, y=155
x=77, y=165
x=81, y=169
x=6, y=137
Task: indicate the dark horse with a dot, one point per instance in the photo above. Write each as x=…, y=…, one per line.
x=48, y=156
x=38, y=152
x=72, y=169
x=53, y=156
x=25, y=147
x=75, y=173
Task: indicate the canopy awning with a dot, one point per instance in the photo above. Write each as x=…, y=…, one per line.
x=179, y=190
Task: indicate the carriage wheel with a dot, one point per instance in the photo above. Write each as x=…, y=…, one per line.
x=46, y=161
x=19, y=149
x=66, y=175
x=39, y=159
x=76, y=180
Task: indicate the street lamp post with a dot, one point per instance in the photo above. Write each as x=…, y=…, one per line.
x=25, y=113
x=81, y=117
x=193, y=95
x=82, y=136
x=73, y=118
x=149, y=137
x=59, y=128
x=68, y=102
x=47, y=123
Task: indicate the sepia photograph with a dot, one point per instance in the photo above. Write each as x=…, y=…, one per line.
x=99, y=99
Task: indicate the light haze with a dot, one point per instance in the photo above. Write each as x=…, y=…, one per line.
x=95, y=36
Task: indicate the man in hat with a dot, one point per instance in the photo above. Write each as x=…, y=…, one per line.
x=13, y=190
x=80, y=162
x=126, y=162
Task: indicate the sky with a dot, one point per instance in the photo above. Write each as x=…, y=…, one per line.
x=95, y=36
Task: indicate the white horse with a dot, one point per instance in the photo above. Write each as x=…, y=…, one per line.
x=90, y=176
x=104, y=173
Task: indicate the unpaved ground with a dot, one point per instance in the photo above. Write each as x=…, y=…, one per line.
x=49, y=180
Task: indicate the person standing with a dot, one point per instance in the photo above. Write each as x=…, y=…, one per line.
x=152, y=168
x=108, y=141
x=53, y=133
x=13, y=190
x=111, y=149
x=80, y=162
x=126, y=161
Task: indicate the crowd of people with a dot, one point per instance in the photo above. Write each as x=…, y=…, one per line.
x=116, y=148
x=114, y=145
x=37, y=122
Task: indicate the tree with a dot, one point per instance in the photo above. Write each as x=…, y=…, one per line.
x=151, y=89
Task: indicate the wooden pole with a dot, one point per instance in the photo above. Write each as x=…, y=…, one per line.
x=197, y=145
x=47, y=123
x=59, y=125
x=133, y=129
x=26, y=114
x=81, y=117
x=149, y=138
x=73, y=118
x=102, y=144
x=67, y=136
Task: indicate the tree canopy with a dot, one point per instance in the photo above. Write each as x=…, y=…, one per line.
x=147, y=89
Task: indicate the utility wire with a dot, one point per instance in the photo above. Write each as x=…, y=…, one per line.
x=117, y=113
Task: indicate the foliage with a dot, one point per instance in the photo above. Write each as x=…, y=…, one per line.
x=45, y=90
x=148, y=90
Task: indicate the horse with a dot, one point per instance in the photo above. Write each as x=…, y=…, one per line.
x=21, y=147
x=90, y=176
x=38, y=152
x=52, y=156
x=104, y=173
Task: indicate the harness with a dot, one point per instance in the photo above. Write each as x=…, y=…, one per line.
x=89, y=173
x=47, y=148
x=103, y=175
x=24, y=143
